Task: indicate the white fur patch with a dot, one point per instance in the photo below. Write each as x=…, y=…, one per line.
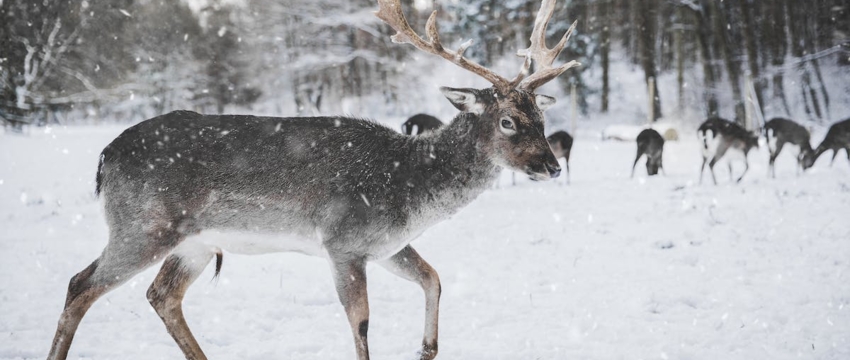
x=771, y=140
x=251, y=243
x=710, y=142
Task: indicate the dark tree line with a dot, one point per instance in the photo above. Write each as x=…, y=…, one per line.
x=133, y=59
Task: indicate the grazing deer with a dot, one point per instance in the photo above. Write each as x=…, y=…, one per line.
x=351, y=191
x=651, y=144
x=837, y=138
x=780, y=132
x=718, y=136
x=561, y=143
x=420, y=123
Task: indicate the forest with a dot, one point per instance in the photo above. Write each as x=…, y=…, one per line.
x=126, y=60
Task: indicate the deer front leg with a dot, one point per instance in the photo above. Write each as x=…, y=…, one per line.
x=408, y=265
x=350, y=280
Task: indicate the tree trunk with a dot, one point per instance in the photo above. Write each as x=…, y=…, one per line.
x=679, y=45
x=710, y=80
x=605, y=49
x=732, y=69
x=752, y=51
x=777, y=44
x=647, y=12
x=799, y=39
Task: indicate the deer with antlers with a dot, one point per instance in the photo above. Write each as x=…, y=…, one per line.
x=351, y=191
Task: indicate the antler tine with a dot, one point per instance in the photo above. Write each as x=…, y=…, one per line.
x=390, y=12
x=542, y=56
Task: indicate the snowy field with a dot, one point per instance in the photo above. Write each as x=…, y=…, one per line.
x=606, y=268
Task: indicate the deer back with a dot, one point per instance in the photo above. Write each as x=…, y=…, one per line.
x=268, y=174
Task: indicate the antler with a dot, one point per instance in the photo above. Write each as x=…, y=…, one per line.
x=390, y=12
x=542, y=56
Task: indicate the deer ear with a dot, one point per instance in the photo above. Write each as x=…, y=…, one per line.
x=467, y=100
x=544, y=102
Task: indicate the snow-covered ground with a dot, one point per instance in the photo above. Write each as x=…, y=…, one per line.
x=606, y=268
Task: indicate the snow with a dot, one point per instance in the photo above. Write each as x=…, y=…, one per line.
x=606, y=268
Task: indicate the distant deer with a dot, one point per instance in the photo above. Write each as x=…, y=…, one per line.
x=778, y=132
x=420, y=123
x=561, y=143
x=651, y=144
x=837, y=138
x=718, y=136
x=349, y=190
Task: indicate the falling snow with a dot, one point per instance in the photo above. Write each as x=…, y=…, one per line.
x=606, y=268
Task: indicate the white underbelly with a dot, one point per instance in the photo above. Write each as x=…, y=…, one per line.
x=251, y=243
x=735, y=154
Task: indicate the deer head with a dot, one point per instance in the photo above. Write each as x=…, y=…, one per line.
x=510, y=111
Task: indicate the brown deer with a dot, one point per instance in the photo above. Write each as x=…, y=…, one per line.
x=349, y=190
x=651, y=144
x=779, y=132
x=718, y=136
x=420, y=123
x=837, y=138
x=562, y=143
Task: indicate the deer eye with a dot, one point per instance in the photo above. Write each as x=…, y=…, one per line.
x=507, y=124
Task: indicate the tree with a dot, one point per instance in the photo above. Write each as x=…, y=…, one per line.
x=647, y=12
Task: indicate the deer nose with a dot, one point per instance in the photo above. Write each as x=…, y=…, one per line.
x=554, y=171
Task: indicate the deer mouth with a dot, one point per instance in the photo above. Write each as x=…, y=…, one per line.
x=538, y=176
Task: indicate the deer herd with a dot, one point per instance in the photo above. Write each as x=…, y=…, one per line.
x=348, y=190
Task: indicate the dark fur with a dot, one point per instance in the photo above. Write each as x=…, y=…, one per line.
x=423, y=123
x=837, y=138
x=651, y=144
x=252, y=155
x=732, y=136
x=787, y=132
x=562, y=144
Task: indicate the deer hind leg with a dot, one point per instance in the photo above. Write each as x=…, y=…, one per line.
x=774, y=153
x=123, y=257
x=350, y=280
x=746, y=167
x=702, y=169
x=711, y=169
x=178, y=271
x=639, y=153
x=568, y=168
x=408, y=265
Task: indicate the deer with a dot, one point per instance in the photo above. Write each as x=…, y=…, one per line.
x=562, y=143
x=349, y=190
x=651, y=144
x=420, y=123
x=718, y=136
x=779, y=132
x=837, y=138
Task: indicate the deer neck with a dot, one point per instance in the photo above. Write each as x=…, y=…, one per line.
x=456, y=155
